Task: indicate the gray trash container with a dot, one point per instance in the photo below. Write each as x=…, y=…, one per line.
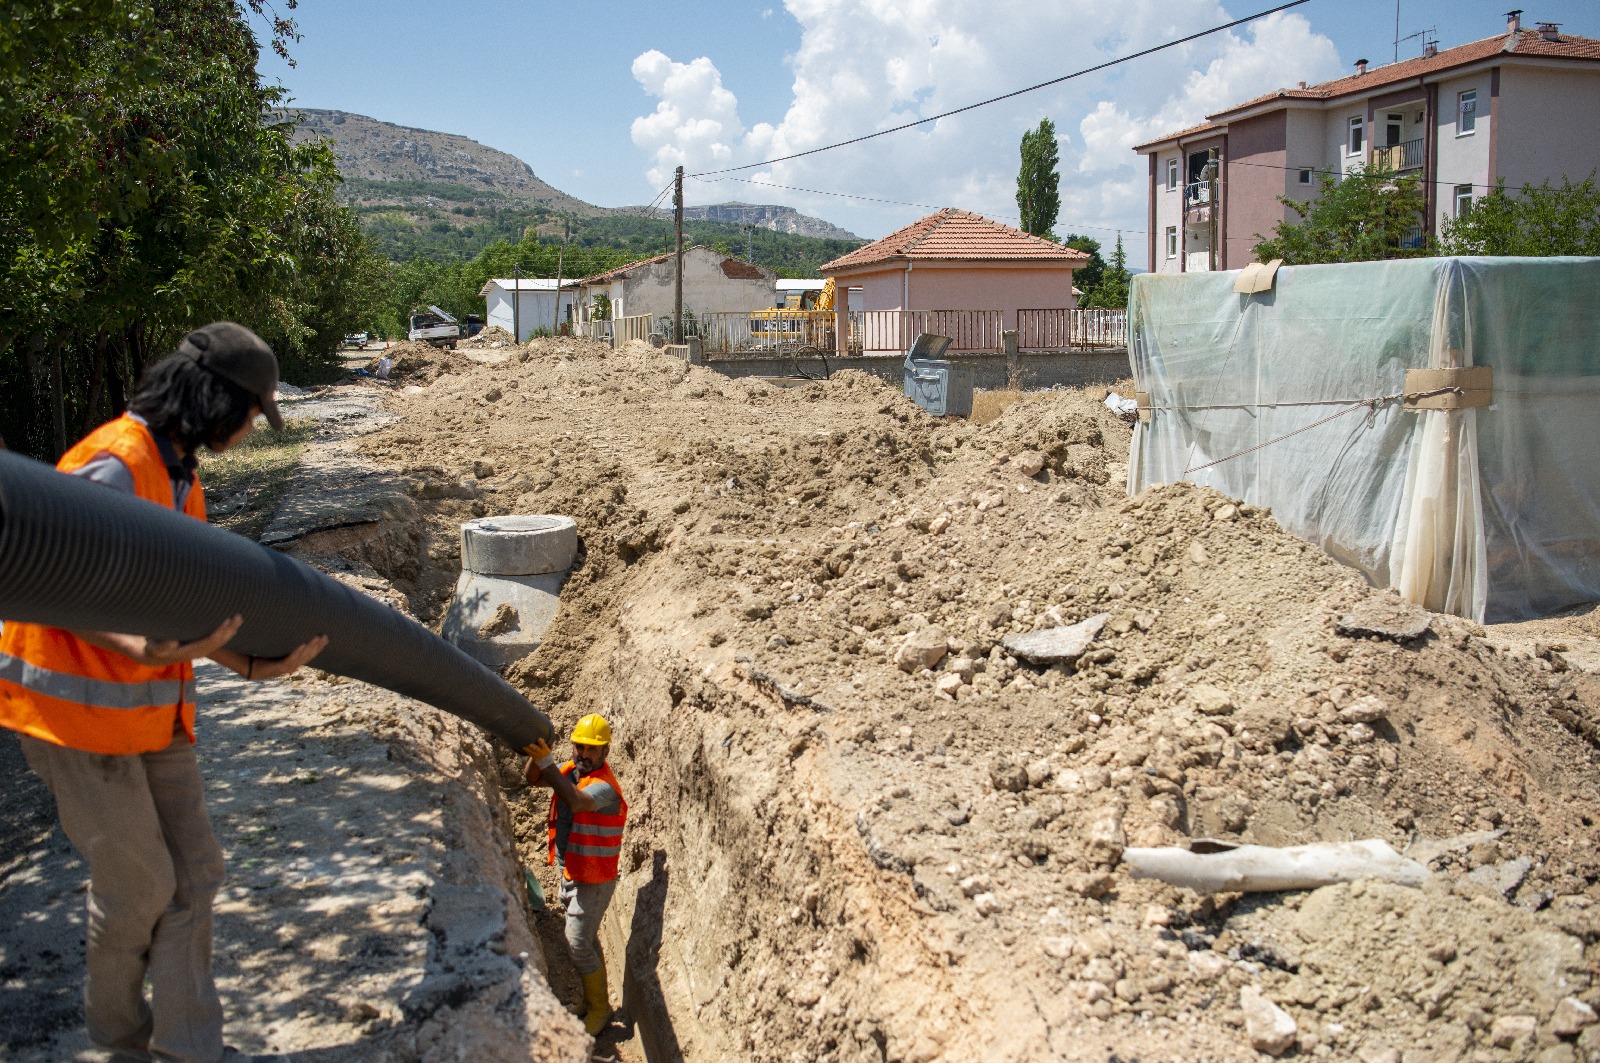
x=941, y=387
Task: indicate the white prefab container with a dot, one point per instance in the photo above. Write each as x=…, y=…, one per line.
x=1307, y=397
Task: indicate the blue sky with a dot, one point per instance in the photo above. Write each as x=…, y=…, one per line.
x=603, y=98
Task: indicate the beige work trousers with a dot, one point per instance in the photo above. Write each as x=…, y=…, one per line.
x=154, y=870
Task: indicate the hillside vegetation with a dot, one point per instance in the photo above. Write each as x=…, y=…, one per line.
x=446, y=198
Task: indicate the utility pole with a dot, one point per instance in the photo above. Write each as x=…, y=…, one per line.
x=561, y=253
x=749, y=243
x=677, y=284
x=516, y=302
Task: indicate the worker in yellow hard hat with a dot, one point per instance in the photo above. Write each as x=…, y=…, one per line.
x=587, y=814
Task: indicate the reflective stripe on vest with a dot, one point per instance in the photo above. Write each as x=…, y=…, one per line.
x=60, y=689
x=595, y=841
x=81, y=690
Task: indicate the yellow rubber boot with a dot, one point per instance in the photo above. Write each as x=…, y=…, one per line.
x=598, y=996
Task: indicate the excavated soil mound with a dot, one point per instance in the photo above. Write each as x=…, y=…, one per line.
x=862, y=830
x=493, y=336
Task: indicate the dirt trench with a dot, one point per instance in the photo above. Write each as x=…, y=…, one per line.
x=862, y=830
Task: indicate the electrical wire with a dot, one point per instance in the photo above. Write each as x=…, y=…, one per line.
x=1074, y=227
x=1338, y=173
x=1010, y=95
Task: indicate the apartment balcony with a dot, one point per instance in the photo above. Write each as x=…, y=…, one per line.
x=1399, y=157
x=1197, y=202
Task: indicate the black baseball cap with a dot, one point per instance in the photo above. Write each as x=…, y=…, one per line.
x=237, y=354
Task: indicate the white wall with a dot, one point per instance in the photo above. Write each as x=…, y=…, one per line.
x=1463, y=158
x=497, y=308
x=534, y=310
x=650, y=289
x=1336, y=136
x=1169, y=210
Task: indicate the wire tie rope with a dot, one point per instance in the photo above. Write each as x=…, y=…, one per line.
x=1370, y=405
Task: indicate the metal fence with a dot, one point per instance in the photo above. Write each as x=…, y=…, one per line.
x=632, y=327
x=872, y=332
x=763, y=332
x=1403, y=156
x=891, y=332
x=886, y=333
x=617, y=331
x=1058, y=329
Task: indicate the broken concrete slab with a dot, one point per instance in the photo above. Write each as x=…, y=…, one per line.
x=1056, y=645
x=326, y=498
x=1386, y=617
x=1504, y=877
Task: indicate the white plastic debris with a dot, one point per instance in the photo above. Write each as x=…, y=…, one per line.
x=1121, y=406
x=1261, y=868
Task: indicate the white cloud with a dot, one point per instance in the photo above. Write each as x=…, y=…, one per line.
x=696, y=121
x=866, y=65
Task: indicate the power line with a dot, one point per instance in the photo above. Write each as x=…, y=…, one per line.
x=996, y=99
x=1321, y=171
x=907, y=203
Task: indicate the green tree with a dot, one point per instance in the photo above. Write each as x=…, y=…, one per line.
x=171, y=197
x=1038, y=183
x=1087, y=278
x=1370, y=214
x=1540, y=221
x=1112, y=291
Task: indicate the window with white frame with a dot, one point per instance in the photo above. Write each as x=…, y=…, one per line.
x=1466, y=112
x=1172, y=175
x=1305, y=175
x=1355, y=137
x=1172, y=241
x=1463, y=200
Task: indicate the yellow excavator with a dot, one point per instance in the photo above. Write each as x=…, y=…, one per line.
x=804, y=325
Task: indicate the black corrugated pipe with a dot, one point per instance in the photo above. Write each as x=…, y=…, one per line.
x=74, y=554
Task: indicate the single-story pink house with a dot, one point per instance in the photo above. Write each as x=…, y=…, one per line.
x=957, y=260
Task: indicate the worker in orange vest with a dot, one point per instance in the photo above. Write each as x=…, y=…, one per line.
x=107, y=720
x=587, y=814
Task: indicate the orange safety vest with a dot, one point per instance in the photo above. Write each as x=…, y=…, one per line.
x=595, y=841
x=56, y=687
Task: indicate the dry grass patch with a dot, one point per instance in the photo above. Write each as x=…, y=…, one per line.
x=988, y=405
x=243, y=486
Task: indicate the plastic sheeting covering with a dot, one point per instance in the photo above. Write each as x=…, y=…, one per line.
x=1293, y=398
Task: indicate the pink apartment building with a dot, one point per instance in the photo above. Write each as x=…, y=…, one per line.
x=1523, y=106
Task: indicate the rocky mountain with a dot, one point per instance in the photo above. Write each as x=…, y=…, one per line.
x=384, y=163
x=766, y=216
x=372, y=154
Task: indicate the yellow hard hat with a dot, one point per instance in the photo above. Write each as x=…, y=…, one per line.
x=592, y=730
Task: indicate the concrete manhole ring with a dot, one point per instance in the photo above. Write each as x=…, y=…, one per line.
x=519, y=545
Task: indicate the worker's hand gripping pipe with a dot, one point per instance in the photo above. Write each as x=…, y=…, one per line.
x=76, y=555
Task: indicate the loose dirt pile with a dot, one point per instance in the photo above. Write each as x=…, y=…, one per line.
x=493, y=336
x=862, y=830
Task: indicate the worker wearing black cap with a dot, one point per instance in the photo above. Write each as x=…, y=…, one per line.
x=107, y=720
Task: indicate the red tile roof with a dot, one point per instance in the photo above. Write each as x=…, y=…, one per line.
x=1526, y=43
x=960, y=235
